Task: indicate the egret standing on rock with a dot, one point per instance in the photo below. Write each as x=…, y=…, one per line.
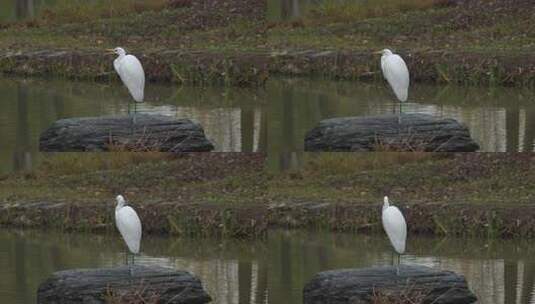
x=395, y=227
x=129, y=226
x=131, y=73
x=396, y=73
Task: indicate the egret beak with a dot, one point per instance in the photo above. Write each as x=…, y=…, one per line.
x=110, y=51
x=378, y=52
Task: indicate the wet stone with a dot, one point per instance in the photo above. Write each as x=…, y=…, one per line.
x=414, y=284
x=408, y=132
x=144, y=284
x=136, y=132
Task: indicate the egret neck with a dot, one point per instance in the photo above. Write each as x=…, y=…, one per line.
x=385, y=204
x=120, y=203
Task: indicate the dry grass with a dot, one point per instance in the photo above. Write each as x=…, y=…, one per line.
x=349, y=163
x=332, y=11
x=140, y=295
x=69, y=11
x=57, y=164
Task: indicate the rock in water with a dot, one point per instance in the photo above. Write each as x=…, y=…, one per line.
x=415, y=284
x=408, y=132
x=150, y=284
x=145, y=132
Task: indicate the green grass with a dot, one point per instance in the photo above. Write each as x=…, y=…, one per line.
x=474, y=43
x=331, y=11
x=138, y=25
x=364, y=178
x=437, y=28
x=69, y=11
x=145, y=177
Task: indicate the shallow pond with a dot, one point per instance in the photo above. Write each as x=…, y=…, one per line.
x=272, y=119
x=232, y=118
x=497, y=271
x=272, y=271
x=231, y=271
x=500, y=119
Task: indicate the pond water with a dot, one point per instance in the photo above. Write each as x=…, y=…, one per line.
x=272, y=119
x=270, y=271
x=500, y=119
x=233, y=119
x=231, y=271
x=497, y=271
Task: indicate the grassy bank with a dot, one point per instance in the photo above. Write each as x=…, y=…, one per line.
x=230, y=194
x=194, y=42
x=200, y=194
x=468, y=42
x=475, y=194
x=230, y=42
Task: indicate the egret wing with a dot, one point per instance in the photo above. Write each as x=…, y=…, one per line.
x=129, y=226
x=131, y=72
x=396, y=228
x=397, y=74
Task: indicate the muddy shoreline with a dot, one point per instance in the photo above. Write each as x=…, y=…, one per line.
x=255, y=68
x=231, y=43
x=197, y=220
x=192, y=220
x=184, y=67
x=437, y=219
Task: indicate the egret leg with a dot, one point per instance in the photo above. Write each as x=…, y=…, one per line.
x=400, y=112
x=135, y=111
x=399, y=262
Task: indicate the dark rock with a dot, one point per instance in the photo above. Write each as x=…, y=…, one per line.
x=144, y=133
x=408, y=132
x=147, y=283
x=414, y=284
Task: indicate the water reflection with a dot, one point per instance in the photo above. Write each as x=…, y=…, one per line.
x=233, y=119
x=499, y=119
x=231, y=271
x=498, y=271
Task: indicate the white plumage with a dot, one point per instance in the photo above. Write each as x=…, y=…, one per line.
x=395, y=226
x=129, y=225
x=131, y=72
x=396, y=73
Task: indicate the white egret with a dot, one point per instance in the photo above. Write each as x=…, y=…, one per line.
x=395, y=227
x=131, y=73
x=129, y=226
x=396, y=73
